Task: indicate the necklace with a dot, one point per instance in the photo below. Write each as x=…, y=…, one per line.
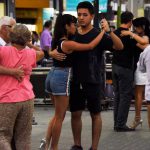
x=82, y=31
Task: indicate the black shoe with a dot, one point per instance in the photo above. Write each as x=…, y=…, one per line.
x=91, y=148
x=124, y=129
x=115, y=128
x=76, y=147
x=33, y=121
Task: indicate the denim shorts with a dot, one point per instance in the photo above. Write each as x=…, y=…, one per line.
x=58, y=81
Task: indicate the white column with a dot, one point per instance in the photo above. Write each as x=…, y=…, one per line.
x=134, y=5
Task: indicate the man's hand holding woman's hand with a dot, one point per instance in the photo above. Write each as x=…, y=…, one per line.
x=105, y=25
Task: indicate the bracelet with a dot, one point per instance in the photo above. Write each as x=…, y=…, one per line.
x=133, y=36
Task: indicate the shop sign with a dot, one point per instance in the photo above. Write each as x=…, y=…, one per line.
x=103, y=6
x=72, y=4
x=48, y=13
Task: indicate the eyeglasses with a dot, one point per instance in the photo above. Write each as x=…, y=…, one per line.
x=9, y=26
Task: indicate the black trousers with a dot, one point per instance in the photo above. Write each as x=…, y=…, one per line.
x=123, y=89
x=46, y=55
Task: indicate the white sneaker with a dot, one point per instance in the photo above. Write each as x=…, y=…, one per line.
x=43, y=144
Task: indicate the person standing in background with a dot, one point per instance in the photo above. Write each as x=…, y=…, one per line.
x=6, y=24
x=35, y=39
x=122, y=75
x=46, y=38
x=141, y=35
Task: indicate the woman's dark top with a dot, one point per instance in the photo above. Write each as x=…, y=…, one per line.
x=65, y=63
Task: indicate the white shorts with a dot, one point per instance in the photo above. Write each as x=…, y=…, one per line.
x=147, y=92
x=140, y=78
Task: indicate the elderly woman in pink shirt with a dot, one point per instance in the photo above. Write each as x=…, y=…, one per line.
x=16, y=98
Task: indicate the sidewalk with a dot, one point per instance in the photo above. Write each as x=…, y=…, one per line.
x=110, y=140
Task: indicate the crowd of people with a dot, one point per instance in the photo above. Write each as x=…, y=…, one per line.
x=74, y=80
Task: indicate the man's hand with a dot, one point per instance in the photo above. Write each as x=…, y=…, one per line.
x=18, y=73
x=56, y=55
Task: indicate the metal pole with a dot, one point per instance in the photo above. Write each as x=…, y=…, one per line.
x=10, y=5
x=60, y=6
x=55, y=4
x=118, y=13
x=96, y=8
x=96, y=25
x=132, y=6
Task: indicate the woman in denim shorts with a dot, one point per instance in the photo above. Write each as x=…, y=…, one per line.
x=58, y=79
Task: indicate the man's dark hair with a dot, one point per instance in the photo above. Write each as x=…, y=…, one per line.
x=86, y=5
x=126, y=17
x=48, y=23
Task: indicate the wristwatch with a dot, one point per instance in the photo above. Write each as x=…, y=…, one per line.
x=108, y=32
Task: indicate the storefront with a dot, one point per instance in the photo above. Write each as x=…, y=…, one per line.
x=7, y=7
x=30, y=12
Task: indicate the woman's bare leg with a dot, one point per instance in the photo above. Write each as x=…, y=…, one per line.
x=49, y=130
x=61, y=104
x=139, y=90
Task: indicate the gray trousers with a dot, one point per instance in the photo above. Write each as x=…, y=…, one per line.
x=123, y=90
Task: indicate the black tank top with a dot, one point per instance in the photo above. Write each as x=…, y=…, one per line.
x=67, y=62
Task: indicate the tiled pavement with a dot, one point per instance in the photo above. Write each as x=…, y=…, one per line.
x=110, y=140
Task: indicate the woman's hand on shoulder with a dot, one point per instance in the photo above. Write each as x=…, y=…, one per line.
x=126, y=33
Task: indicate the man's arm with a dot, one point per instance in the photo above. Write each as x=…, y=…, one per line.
x=17, y=73
x=56, y=55
x=39, y=52
x=117, y=43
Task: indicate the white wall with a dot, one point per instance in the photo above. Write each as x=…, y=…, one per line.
x=136, y=7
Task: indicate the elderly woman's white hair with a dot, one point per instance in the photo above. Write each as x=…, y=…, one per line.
x=6, y=20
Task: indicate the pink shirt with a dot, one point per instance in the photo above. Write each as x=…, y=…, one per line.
x=11, y=90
